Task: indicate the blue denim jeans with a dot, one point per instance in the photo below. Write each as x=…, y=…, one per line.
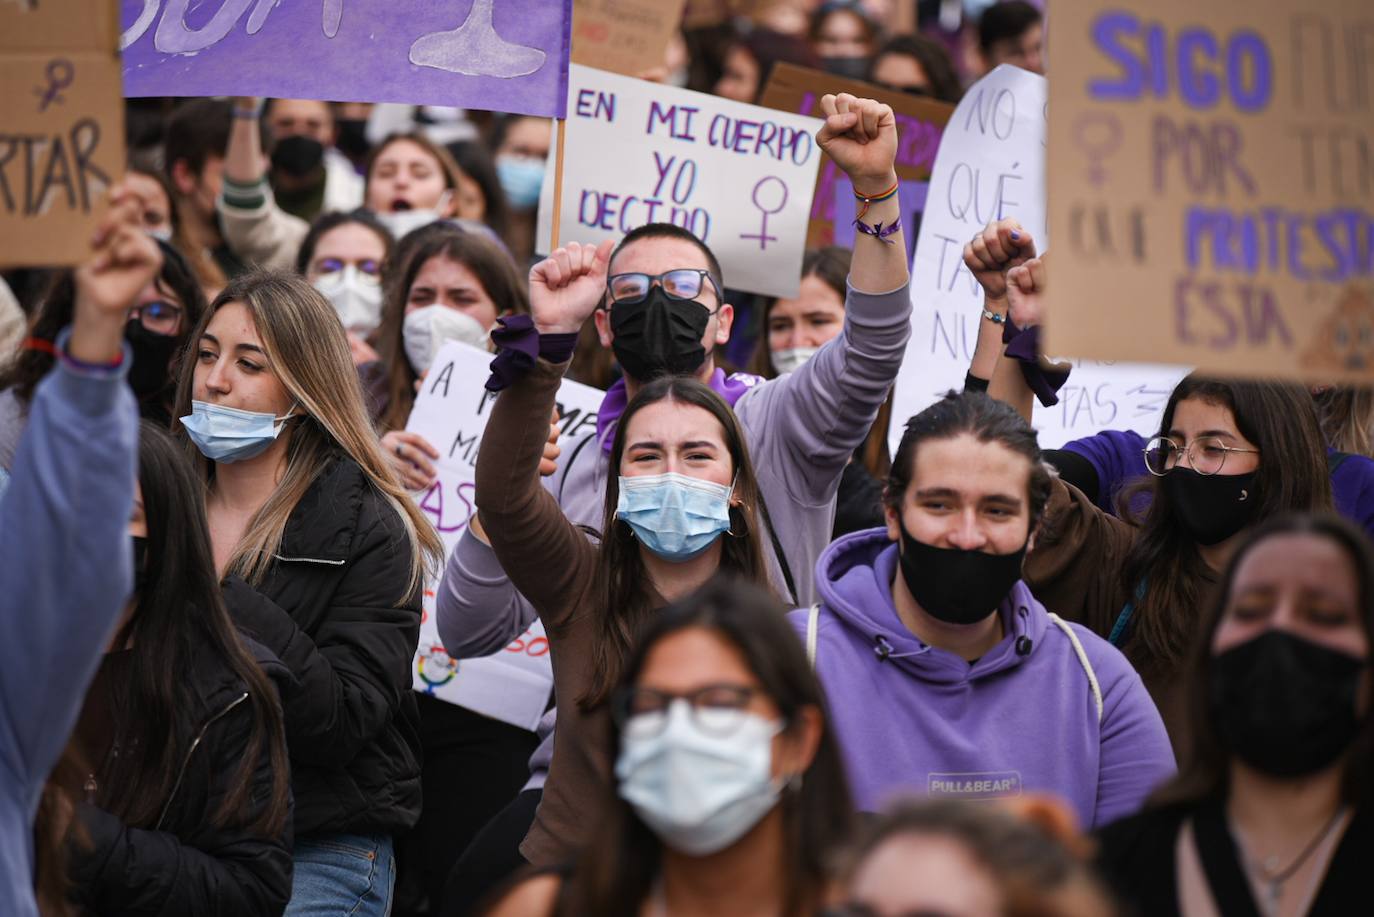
x=342, y=875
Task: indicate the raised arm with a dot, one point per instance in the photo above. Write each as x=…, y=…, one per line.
x=544, y=554
x=255, y=228
x=1000, y=247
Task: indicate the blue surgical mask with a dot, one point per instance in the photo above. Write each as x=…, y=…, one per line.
x=675, y=516
x=521, y=178
x=229, y=434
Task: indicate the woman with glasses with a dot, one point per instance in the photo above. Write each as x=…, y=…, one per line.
x=1228, y=455
x=1270, y=811
x=680, y=504
x=159, y=322
x=729, y=793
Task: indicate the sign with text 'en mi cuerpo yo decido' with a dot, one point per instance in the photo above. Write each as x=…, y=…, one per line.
x=493, y=55
x=1212, y=185
x=451, y=411
x=61, y=128
x=738, y=176
x=991, y=165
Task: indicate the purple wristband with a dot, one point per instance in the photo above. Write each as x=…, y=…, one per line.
x=1023, y=345
x=519, y=344
x=879, y=231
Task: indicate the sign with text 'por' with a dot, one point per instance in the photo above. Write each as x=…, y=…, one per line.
x=451, y=412
x=1212, y=185
x=738, y=176
x=991, y=166
x=494, y=55
x=61, y=128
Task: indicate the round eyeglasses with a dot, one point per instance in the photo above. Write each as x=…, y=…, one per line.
x=159, y=317
x=682, y=283
x=1206, y=455
x=715, y=709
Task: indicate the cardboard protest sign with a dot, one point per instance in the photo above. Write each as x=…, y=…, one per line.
x=1212, y=185
x=495, y=55
x=451, y=412
x=623, y=36
x=990, y=166
x=61, y=128
x=736, y=175
x=920, y=122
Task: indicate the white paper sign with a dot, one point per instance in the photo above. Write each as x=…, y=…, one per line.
x=451, y=412
x=738, y=176
x=991, y=165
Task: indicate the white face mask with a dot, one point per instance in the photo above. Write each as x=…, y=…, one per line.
x=699, y=792
x=357, y=297
x=427, y=329
x=401, y=222
x=786, y=361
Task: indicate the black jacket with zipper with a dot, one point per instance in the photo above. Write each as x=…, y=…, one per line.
x=333, y=609
x=185, y=864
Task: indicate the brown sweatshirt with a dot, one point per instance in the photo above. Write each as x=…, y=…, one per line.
x=552, y=563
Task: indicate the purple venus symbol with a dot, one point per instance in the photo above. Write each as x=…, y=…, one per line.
x=764, y=210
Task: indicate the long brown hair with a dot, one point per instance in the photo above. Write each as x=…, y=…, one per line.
x=1205, y=769
x=1347, y=417
x=494, y=270
x=625, y=595
x=307, y=351
x=1279, y=418
x=617, y=871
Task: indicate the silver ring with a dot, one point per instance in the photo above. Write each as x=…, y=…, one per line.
x=399, y=453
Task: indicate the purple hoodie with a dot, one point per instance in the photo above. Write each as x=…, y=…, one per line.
x=912, y=718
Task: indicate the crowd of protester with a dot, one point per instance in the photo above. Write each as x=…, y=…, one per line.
x=793, y=673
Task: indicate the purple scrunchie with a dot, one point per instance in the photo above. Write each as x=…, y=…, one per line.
x=1023, y=344
x=519, y=344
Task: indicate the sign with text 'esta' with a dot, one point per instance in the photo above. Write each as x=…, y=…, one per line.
x=451, y=412
x=738, y=176
x=991, y=166
x=61, y=127
x=494, y=55
x=1212, y=185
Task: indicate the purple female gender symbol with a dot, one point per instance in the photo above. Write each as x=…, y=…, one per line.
x=762, y=235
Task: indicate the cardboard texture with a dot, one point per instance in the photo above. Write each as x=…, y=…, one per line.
x=623, y=36
x=920, y=123
x=61, y=128
x=1211, y=185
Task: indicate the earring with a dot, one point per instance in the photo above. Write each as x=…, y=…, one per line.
x=794, y=783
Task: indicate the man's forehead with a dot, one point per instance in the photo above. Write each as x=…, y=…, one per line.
x=656, y=255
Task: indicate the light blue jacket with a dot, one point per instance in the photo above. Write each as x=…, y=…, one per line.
x=66, y=571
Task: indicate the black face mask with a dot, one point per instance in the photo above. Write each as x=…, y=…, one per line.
x=352, y=137
x=659, y=335
x=855, y=68
x=140, y=562
x=298, y=156
x=152, y=354
x=957, y=587
x=1284, y=705
x=1212, y=507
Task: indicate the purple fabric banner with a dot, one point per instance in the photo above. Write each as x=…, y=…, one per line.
x=495, y=55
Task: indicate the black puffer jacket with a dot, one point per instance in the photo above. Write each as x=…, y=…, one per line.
x=185, y=864
x=332, y=608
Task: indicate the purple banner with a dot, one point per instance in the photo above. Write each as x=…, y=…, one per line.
x=494, y=55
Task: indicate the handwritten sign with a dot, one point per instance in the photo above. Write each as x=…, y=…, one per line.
x=920, y=122
x=61, y=128
x=495, y=55
x=990, y=166
x=623, y=36
x=738, y=176
x=451, y=412
x=1212, y=179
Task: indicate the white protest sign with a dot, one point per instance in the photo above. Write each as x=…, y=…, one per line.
x=991, y=165
x=451, y=412
x=738, y=176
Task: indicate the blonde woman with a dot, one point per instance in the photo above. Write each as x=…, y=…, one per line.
x=324, y=556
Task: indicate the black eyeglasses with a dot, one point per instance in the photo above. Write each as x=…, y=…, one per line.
x=681, y=283
x=715, y=709
x=158, y=317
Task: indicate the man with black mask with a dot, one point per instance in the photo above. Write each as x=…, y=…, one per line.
x=309, y=176
x=663, y=311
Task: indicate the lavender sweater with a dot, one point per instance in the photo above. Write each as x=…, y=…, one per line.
x=912, y=718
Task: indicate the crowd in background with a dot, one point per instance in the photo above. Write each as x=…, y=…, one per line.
x=1132, y=673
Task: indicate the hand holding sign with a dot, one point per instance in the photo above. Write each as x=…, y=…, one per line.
x=126, y=260
x=861, y=136
x=999, y=247
x=567, y=286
